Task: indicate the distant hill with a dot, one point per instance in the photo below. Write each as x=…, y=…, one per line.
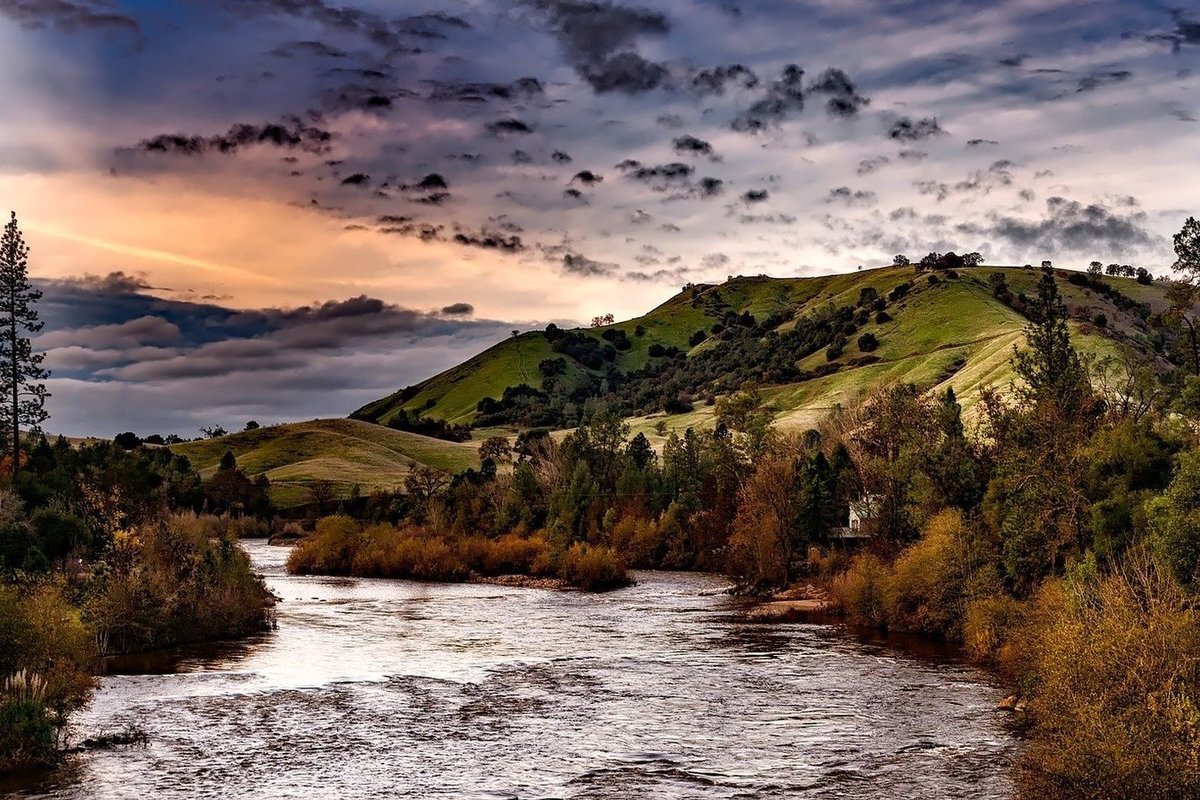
x=954, y=332
x=949, y=330
x=343, y=451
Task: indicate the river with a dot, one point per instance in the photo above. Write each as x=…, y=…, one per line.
x=376, y=688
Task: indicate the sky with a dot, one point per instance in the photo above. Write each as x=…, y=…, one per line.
x=282, y=209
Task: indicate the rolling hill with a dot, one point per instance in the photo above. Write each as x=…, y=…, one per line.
x=345, y=452
x=951, y=330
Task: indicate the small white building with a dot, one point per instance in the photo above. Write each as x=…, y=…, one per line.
x=862, y=515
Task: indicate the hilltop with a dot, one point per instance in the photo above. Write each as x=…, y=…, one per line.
x=344, y=452
x=943, y=329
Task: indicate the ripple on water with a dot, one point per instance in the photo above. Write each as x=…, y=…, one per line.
x=400, y=689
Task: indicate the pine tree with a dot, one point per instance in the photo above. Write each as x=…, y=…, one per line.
x=1050, y=367
x=24, y=391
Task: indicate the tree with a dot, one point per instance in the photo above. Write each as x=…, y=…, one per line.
x=127, y=440
x=602, y=320
x=1183, y=292
x=213, y=431
x=901, y=261
x=496, y=449
x=1095, y=269
x=252, y=425
x=321, y=493
x=1050, y=367
x=25, y=393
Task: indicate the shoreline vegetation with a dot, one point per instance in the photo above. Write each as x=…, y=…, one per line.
x=341, y=545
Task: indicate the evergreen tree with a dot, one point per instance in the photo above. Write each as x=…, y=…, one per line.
x=1050, y=367
x=24, y=391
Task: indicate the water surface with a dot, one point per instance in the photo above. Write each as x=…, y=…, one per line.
x=375, y=688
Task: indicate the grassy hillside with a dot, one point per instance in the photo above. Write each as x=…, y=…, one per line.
x=953, y=331
x=342, y=451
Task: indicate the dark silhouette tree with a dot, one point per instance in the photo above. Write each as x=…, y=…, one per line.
x=25, y=393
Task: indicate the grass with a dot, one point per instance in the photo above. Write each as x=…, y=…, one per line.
x=342, y=451
x=951, y=333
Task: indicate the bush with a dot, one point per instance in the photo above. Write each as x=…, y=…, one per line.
x=594, y=569
x=867, y=342
x=860, y=591
x=171, y=582
x=1116, y=706
x=925, y=592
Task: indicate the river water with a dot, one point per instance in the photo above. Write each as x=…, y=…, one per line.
x=374, y=688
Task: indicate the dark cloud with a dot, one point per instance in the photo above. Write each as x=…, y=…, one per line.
x=906, y=129
x=625, y=72
x=68, y=15
x=869, y=165
x=291, y=133
x=710, y=187
x=577, y=264
x=691, y=146
x=661, y=177
x=559, y=157
x=459, y=309
x=670, y=121
x=357, y=179
x=598, y=38
x=431, y=182
x=1097, y=80
x=715, y=80
x=781, y=99
x=587, y=177
x=307, y=49
x=509, y=127
x=490, y=240
x=1071, y=225
x=843, y=99
x=521, y=89
x=755, y=196
x=996, y=176
x=982, y=142
x=851, y=197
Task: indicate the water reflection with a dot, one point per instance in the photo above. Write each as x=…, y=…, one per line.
x=392, y=688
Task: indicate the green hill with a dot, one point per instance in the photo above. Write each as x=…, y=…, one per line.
x=948, y=331
x=953, y=331
x=343, y=451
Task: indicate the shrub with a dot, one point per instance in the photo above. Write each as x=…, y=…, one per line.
x=867, y=342
x=926, y=590
x=860, y=591
x=594, y=569
x=1116, y=707
x=882, y=317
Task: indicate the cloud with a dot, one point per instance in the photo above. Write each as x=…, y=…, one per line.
x=291, y=133
x=843, y=99
x=715, y=80
x=598, y=38
x=68, y=16
x=781, y=99
x=870, y=165
x=520, y=89
x=851, y=197
x=755, y=196
x=308, y=49
x=1073, y=226
x=906, y=129
x=577, y=264
x=509, y=127
x=689, y=145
